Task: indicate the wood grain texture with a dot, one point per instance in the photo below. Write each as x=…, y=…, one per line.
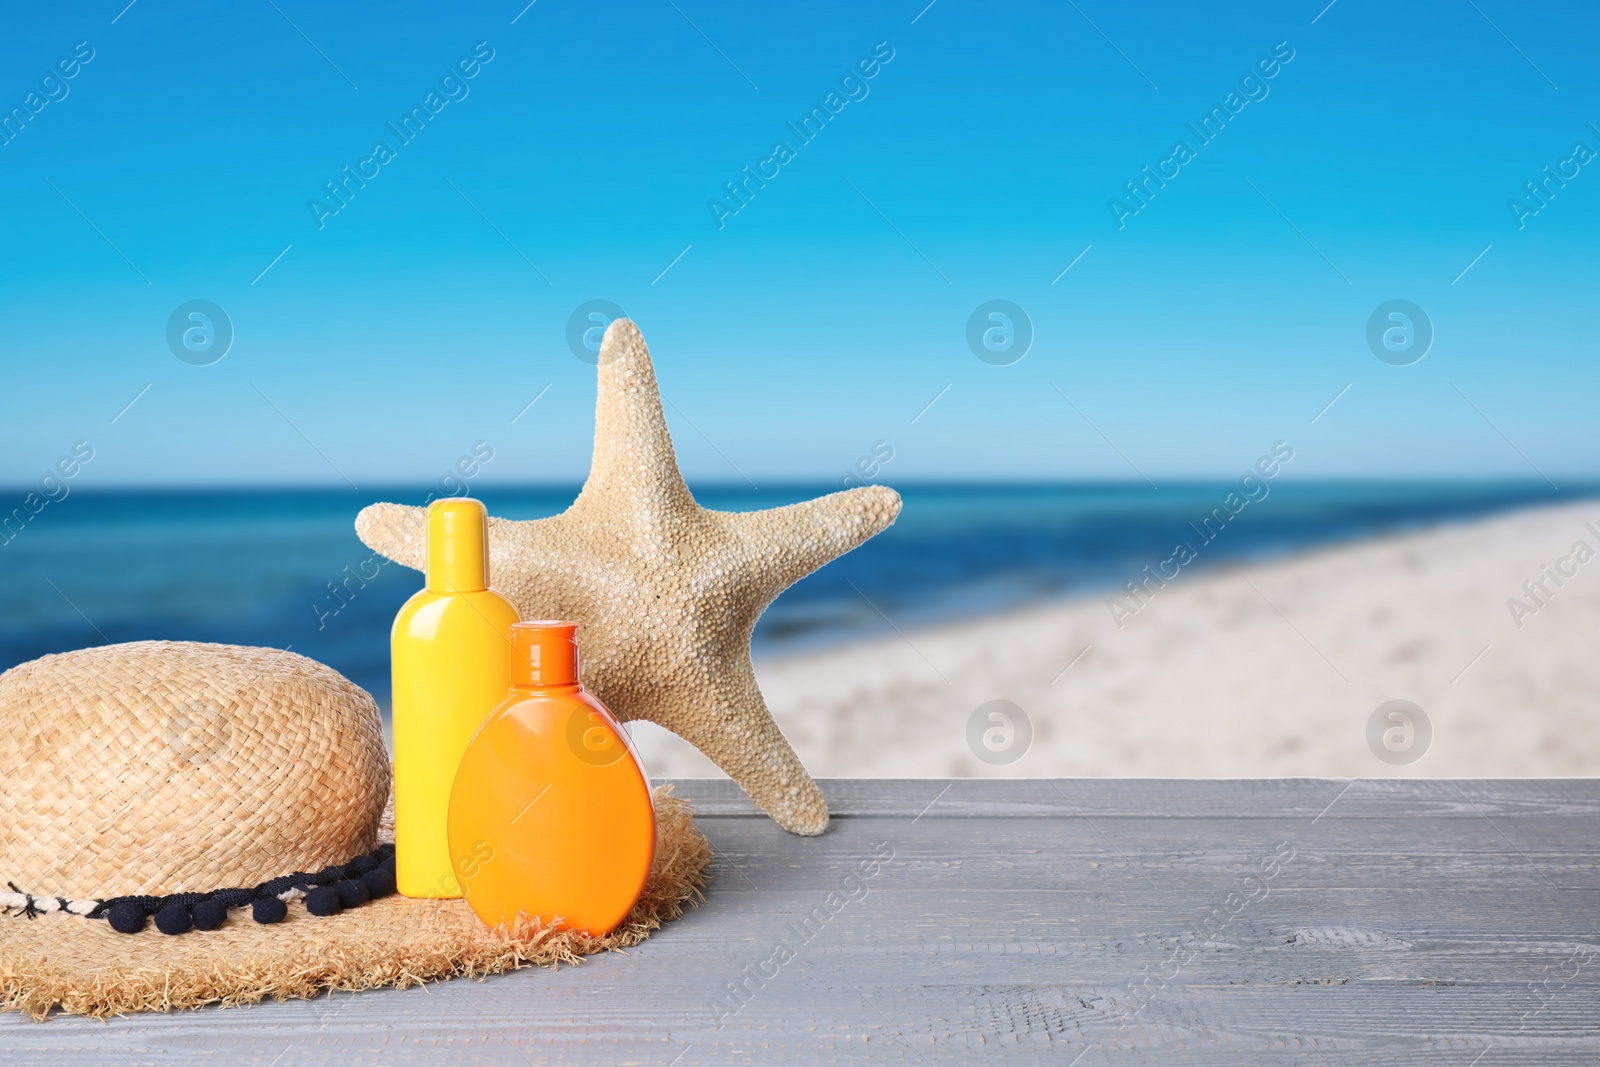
x=1121, y=921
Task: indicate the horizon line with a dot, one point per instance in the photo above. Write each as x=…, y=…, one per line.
x=775, y=485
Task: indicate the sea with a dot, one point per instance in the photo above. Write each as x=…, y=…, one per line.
x=256, y=566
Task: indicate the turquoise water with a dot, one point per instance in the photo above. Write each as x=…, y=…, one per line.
x=252, y=566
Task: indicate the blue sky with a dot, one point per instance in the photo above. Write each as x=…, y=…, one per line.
x=974, y=165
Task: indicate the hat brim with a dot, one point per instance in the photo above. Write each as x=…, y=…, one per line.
x=60, y=962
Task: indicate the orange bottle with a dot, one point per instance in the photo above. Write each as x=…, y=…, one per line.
x=550, y=815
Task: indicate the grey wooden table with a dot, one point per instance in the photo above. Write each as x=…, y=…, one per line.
x=1452, y=924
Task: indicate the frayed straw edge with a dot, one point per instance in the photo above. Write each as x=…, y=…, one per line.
x=677, y=882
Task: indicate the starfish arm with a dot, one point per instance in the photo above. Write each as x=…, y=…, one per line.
x=400, y=532
x=796, y=540
x=633, y=453
x=396, y=530
x=729, y=722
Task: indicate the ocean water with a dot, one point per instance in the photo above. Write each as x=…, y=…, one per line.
x=253, y=566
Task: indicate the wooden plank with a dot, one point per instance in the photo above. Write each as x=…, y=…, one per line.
x=1123, y=921
x=1174, y=797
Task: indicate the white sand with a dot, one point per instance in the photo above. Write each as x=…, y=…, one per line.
x=1210, y=680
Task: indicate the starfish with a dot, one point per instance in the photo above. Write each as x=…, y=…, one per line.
x=665, y=592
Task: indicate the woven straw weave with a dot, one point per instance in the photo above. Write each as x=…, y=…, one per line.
x=161, y=767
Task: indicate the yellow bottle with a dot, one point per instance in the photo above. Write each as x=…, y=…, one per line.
x=449, y=652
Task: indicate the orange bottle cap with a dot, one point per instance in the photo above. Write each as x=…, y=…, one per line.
x=544, y=653
x=458, y=546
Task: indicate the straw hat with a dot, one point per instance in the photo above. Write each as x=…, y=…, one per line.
x=227, y=807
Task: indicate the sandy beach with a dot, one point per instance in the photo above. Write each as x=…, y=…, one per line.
x=1269, y=669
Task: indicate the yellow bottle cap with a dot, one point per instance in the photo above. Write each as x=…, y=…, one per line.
x=458, y=546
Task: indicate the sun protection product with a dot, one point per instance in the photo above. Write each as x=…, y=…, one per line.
x=450, y=670
x=551, y=816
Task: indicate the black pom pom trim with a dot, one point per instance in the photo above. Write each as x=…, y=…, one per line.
x=268, y=910
x=281, y=885
x=379, y=882
x=352, y=894
x=126, y=917
x=209, y=914
x=323, y=900
x=174, y=919
x=326, y=892
x=233, y=898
